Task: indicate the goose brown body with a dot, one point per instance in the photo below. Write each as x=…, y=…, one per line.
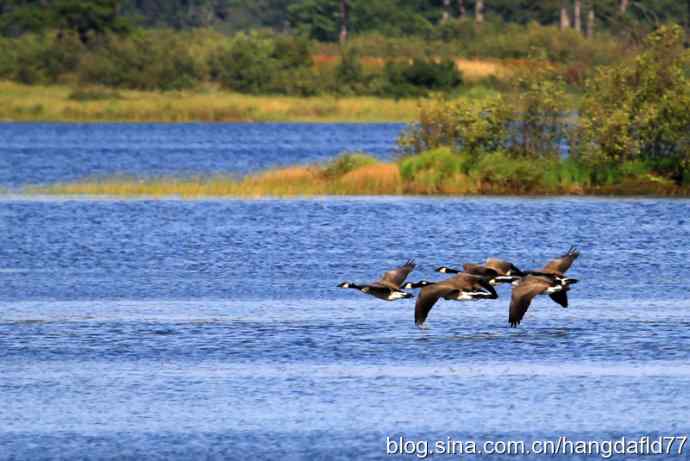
x=496, y=270
x=550, y=280
x=387, y=287
x=462, y=287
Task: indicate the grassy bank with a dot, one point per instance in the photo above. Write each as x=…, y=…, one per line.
x=435, y=173
x=62, y=104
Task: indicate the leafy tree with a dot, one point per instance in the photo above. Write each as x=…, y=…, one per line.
x=89, y=17
x=638, y=110
x=85, y=17
x=20, y=16
x=257, y=63
x=541, y=114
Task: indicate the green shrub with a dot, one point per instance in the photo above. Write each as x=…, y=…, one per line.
x=506, y=171
x=346, y=163
x=534, y=41
x=573, y=172
x=541, y=117
x=150, y=60
x=415, y=79
x=634, y=169
x=433, y=167
x=259, y=63
x=247, y=66
x=39, y=58
x=638, y=110
x=350, y=77
x=473, y=126
x=93, y=94
x=292, y=52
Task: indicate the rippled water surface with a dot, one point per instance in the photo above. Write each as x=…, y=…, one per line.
x=177, y=329
x=214, y=329
x=34, y=153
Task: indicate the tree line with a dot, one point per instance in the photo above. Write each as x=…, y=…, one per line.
x=331, y=20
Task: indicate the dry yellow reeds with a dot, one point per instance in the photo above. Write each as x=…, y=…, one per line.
x=53, y=103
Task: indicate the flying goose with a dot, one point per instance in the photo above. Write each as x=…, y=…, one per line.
x=462, y=287
x=549, y=280
x=388, y=286
x=531, y=286
x=497, y=270
x=557, y=267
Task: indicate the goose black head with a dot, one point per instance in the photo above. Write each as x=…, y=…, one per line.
x=446, y=270
x=345, y=285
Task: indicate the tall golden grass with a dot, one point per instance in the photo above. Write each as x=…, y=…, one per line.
x=298, y=181
x=208, y=104
x=309, y=181
x=475, y=69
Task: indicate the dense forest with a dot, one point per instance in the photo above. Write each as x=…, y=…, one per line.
x=386, y=48
x=321, y=19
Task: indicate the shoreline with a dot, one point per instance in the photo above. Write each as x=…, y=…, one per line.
x=379, y=179
x=38, y=197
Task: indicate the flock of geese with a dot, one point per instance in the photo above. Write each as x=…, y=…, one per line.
x=477, y=281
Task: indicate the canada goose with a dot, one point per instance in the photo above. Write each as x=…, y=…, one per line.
x=388, y=286
x=557, y=267
x=462, y=287
x=497, y=270
x=550, y=280
x=531, y=286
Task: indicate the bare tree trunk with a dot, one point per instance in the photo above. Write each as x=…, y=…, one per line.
x=462, y=12
x=446, y=11
x=344, y=19
x=577, y=11
x=565, y=19
x=591, y=19
x=623, y=8
x=479, y=11
x=687, y=25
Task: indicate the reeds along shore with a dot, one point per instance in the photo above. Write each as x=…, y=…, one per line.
x=353, y=175
x=62, y=104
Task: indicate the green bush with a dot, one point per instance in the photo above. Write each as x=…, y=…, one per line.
x=473, y=126
x=350, y=77
x=248, y=66
x=534, y=41
x=506, y=171
x=346, y=163
x=39, y=58
x=417, y=78
x=147, y=60
x=573, y=172
x=638, y=110
x=434, y=166
x=259, y=63
x=93, y=94
x=541, y=117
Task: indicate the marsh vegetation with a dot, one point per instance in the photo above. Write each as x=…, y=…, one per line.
x=631, y=135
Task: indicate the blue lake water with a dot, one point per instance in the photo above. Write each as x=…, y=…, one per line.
x=213, y=329
x=35, y=153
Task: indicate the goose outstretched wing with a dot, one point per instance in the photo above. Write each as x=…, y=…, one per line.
x=563, y=262
x=428, y=296
x=522, y=297
x=396, y=277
